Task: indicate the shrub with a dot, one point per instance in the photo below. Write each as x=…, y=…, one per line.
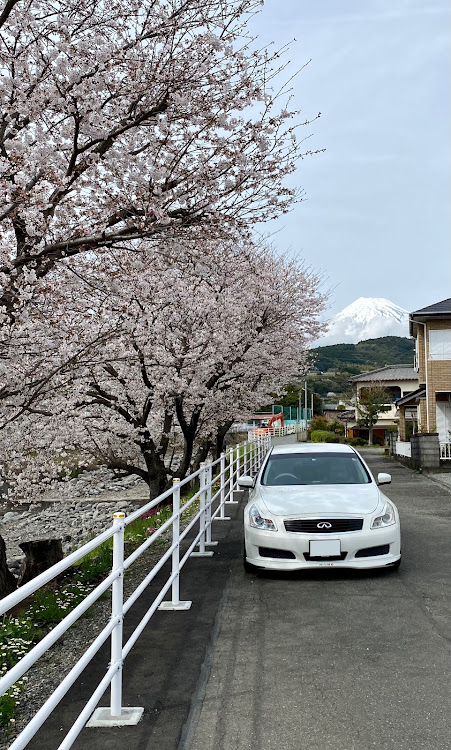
x=324, y=436
x=337, y=427
x=356, y=442
x=319, y=423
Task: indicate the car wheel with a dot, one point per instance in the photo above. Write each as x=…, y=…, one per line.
x=395, y=565
x=248, y=567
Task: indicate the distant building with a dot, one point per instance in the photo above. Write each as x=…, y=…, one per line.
x=431, y=328
x=398, y=381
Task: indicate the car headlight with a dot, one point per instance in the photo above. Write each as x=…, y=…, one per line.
x=258, y=522
x=387, y=518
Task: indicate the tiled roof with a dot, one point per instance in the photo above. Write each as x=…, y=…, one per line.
x=390, y=372
x=439, y=308
x=413, y=396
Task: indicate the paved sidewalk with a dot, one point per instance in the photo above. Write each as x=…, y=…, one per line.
x=443, y=478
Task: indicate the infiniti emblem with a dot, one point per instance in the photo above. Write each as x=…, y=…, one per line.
x=324, y=525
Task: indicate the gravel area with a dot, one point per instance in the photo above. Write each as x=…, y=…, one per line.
x=78, y=509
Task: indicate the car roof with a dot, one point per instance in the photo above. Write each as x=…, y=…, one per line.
x=312, y=448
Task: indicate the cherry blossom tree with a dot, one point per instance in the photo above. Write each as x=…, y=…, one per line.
x=181, y=342
x=128, y=120
x=130, y=132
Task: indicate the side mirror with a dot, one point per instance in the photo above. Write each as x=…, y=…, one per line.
x=245, y=482
x=383, y=478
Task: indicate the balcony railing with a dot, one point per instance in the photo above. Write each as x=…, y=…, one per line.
x=445, y=451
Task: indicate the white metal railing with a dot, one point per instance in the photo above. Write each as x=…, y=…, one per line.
x=403, y=448
x=445, y=451
x=258, y=432
x=217, y=482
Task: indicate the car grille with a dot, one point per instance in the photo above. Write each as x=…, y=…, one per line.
x=280, y=554
x=337, y=525
x=383, y=549
x=315, y=558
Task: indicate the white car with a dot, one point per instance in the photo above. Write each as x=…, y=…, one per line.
x=314, y=505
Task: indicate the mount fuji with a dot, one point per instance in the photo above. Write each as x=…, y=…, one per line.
x=366, y=318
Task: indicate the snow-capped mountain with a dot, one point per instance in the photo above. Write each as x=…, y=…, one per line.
x=366, y=318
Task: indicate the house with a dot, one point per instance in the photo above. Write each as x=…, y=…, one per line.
x=431, y=329
x=398, y=381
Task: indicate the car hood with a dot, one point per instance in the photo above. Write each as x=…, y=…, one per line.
x=324, y=499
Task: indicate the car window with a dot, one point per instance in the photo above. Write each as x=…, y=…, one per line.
x=314, y=468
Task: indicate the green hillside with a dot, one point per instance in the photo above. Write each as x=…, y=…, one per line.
x=354, y=358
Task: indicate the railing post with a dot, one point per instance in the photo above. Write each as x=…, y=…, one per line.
x=231, y=473
x=208, y=478
x=175, y=603
x=202, y=508
x=231, y=476
x=222, y=475
x=222, y=469
x=116, y=715
x=117, y=603
x=202, y=497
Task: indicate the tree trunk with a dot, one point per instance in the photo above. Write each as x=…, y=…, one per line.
x=220, y=437
x=370, y=436
x=40, y=555
x=157, y=485
x=201, y=455
x=7, y=581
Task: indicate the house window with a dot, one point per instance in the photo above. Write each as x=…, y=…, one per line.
x=440, y=344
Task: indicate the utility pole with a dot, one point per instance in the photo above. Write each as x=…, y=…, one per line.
x=306, y=403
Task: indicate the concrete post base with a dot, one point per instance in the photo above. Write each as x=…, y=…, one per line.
x=102, y=717
x=202, y=554
x=170, y=607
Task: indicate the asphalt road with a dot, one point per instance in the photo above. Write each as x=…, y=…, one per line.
x=340, y=659
x=319, y=660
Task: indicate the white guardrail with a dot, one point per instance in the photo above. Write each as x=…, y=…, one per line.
x=256, y=432
x=217, y=481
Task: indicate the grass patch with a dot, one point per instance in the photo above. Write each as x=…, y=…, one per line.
x=17, y=636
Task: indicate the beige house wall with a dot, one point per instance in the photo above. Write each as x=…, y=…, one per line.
x=436, y=374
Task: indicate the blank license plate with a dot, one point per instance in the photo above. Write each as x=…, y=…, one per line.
x=325, y=548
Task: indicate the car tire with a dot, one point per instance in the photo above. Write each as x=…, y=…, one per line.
x=248, y=567
x=395, y=565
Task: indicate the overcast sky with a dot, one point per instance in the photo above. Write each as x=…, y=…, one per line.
x=376, y=221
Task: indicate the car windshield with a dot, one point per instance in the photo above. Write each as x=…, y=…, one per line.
x=314, y=468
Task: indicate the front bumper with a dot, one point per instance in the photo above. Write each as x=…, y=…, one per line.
x=298, y=544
